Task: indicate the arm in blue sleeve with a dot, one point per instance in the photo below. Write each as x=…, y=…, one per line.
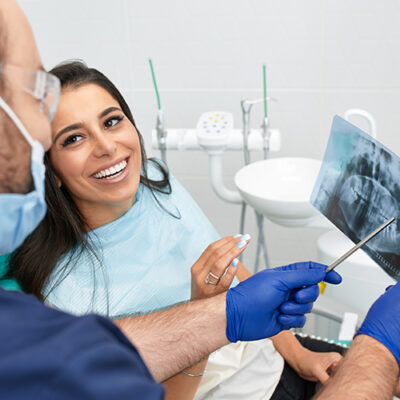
x=383, y=320
x=105, y=370
x=48, y=354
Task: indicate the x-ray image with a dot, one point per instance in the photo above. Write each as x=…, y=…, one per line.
x=358, y=189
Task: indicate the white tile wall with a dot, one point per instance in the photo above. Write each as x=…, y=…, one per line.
x=323, y=57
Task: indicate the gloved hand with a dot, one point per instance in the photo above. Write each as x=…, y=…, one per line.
x=273, y=300
x=383, y=320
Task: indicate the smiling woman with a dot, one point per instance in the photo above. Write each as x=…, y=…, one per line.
x=99, y=137
x=98, y=156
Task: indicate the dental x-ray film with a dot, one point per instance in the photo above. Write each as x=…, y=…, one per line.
x=358, y=189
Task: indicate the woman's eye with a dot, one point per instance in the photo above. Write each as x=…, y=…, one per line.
x=71, y=139
x=112, y=121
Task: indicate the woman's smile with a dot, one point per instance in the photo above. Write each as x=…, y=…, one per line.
x=117, y=172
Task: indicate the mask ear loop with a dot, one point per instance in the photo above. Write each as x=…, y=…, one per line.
x=7, y=109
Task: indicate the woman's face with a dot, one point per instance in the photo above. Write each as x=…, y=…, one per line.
x=96, y=150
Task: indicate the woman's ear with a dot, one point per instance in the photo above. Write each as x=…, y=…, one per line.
x=58, y=180
x=51, y=172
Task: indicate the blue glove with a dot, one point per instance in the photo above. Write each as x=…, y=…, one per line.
x=383, y=320
x=273, y=300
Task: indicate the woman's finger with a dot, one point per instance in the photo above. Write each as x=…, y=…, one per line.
x=227, y=278
x=321, y=374
x=212, y=247
x=224, y=257
x=209, y=251
x=236, y=244
x=215, y=247
x=218, y=248
x=335, y=365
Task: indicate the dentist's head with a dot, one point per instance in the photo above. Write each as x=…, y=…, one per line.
x=28, y=100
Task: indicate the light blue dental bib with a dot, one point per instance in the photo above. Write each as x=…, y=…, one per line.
x=146, y=255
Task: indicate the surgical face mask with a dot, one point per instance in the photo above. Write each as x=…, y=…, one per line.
x=22, y=213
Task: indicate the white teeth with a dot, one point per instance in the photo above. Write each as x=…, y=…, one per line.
x=105, y=173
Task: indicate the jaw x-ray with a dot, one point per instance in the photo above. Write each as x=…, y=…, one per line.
x=358, y=189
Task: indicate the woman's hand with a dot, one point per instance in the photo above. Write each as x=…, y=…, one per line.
x=316, y=367
x=218, y=266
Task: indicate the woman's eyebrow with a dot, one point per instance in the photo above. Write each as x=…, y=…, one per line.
x=68, y=129
x=108, y=111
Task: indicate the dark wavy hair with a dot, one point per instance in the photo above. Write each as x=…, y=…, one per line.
x=63, y=228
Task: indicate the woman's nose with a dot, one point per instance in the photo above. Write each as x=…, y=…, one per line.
x=104, y=145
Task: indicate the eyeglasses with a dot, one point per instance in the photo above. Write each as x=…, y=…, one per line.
x=41, y=85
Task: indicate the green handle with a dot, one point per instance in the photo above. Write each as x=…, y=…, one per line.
x=155, y=84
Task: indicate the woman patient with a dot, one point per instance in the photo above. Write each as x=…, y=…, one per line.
x=121, y=234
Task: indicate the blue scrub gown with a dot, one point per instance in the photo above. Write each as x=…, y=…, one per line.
x=47, y=354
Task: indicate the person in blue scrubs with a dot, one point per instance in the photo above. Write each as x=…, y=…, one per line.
x=44, y=353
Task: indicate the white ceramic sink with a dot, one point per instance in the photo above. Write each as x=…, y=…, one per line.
x=280, y=189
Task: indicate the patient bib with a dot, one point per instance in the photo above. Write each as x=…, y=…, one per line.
x=145, y=257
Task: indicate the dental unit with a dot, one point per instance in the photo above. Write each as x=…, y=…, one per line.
x=279, y=189
x=215, y=134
